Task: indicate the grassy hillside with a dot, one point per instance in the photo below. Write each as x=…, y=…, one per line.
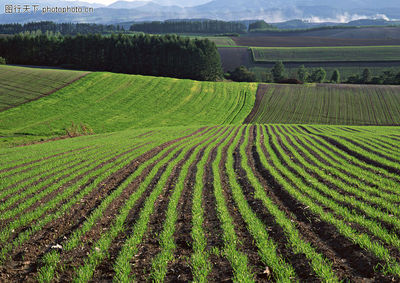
x=19, y=85
x=327, y=104
x=326, y=54
x=106, y=102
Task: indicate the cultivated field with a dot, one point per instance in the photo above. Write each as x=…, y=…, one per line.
x=20, y=85
x=327, y=54
x=178, y=185
x=294, y=40
x=327, y=104
x=106, y=102
x=247, y=203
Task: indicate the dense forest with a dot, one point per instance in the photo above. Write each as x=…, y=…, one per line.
x=169, y=55
x=206, y=26
x=63, y=28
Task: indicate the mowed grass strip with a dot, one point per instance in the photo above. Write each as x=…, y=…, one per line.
x=326, y=54
x=106, y=102
x=19, y=85
x=329, y=104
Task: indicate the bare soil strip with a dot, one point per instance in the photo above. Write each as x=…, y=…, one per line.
x=262, y=88
x=221, y=269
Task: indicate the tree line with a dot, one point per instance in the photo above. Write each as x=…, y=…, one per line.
x=319, y=75
x=183, y=26
x=169, y=55
x=62, y=28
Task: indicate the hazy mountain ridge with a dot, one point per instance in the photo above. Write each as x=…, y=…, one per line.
x=269, y=10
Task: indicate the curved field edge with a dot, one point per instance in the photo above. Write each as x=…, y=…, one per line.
x=19, y=85
x=327, y=104
x=107, y=102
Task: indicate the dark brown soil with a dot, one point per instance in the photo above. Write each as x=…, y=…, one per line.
x=308, y=41
x=262, y=88
x=179, y=270
x=221, y=269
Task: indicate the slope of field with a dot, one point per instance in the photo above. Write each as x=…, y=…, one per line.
x=327, y=54
x=327, y=104
x=243, y=203
x=19, y=85
x=106, y=102
x=308, y=41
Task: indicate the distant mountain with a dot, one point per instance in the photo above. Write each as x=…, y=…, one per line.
x=272, y=11
x=127, y=4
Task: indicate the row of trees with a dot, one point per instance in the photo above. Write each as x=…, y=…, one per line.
x=386, y=78
x=62, y=28
x=205, y=26
x=278, y=75
x=168, y=55
x=200, y=26
x=319, y=75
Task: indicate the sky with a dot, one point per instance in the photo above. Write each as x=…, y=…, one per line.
x=107, y=2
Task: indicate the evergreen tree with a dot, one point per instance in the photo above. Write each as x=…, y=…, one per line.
x=366, y=76
x=278, y=71
x=335, y=76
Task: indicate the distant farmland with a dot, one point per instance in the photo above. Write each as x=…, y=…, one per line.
x=326, y=54
x=327, y=104
x=293, y=40
x=19, y=85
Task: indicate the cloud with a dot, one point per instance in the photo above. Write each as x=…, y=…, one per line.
x=345, y=18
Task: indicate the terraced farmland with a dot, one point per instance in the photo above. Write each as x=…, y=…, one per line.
x=19, y=85
x=326, y=54
x=327, y=104
x=247, y=203
x=106, y=102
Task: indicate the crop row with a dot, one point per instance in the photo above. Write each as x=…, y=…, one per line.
x=282, y=191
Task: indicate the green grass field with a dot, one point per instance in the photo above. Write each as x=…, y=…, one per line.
x=19, y=85
x=326, y=54
x=106, y=102
x=328, y=104
x=173, y=187
x=218, y=40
